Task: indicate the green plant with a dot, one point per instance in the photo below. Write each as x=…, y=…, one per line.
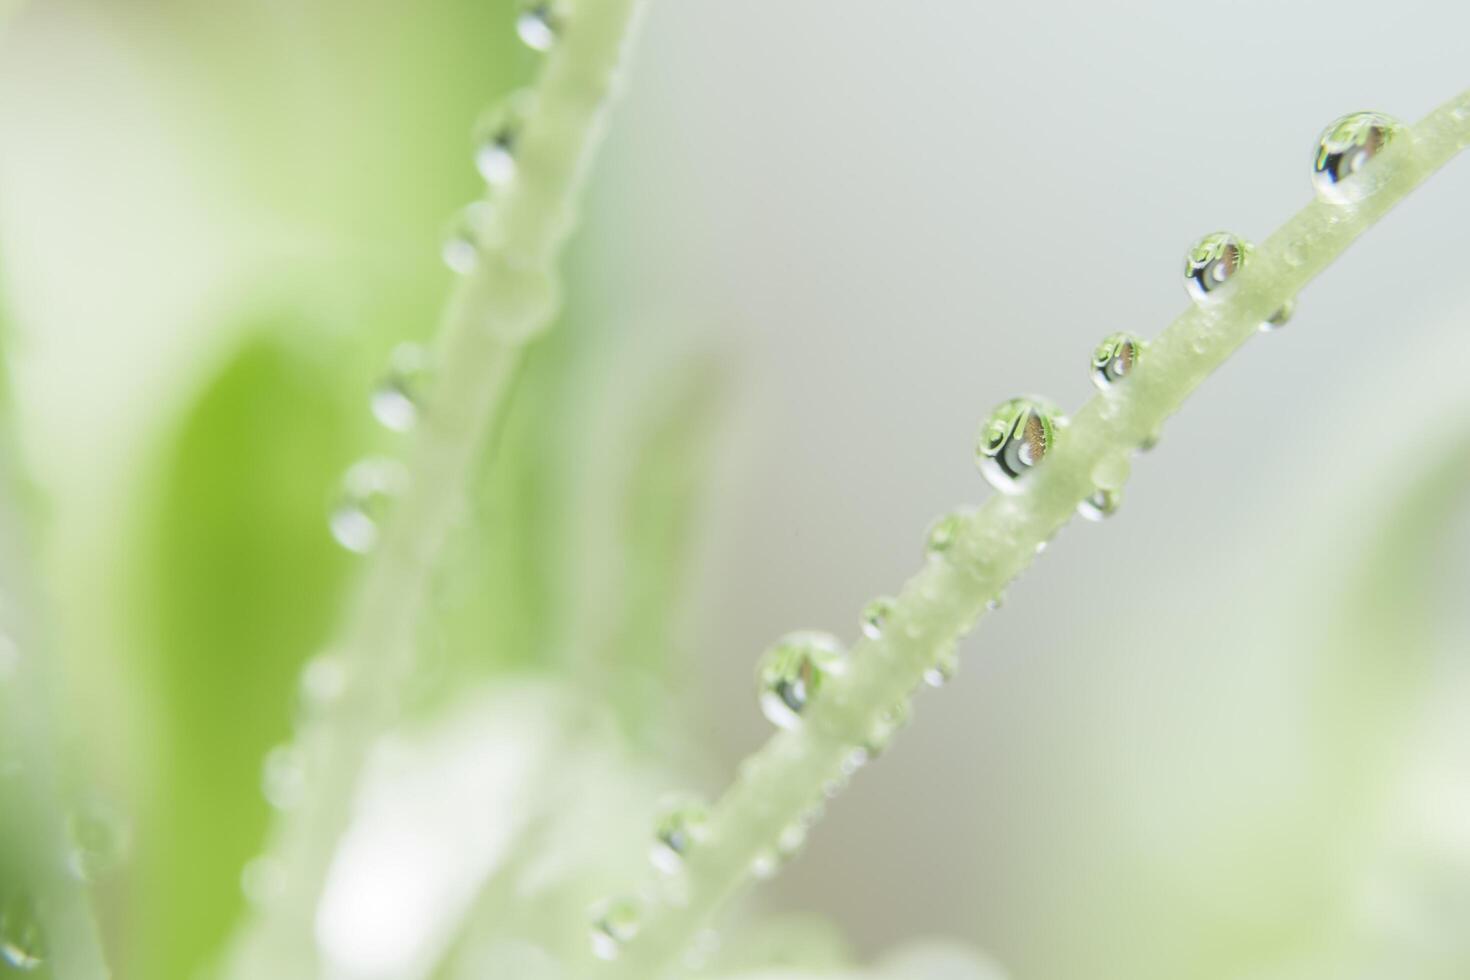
x=838, y=710
x=507, y=298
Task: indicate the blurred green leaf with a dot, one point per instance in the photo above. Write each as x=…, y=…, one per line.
x=237, y=583
x=1377, y=649
x=670, y=464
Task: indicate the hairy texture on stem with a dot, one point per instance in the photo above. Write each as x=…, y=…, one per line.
x=996, y=543
x=493, y=313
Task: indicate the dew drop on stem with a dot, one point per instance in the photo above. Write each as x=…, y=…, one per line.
x=881, y=732
x=22, y=941
x=792, y=673
x=98, y=838
x=1100, y=504
x=466, y=236
x=1016, y=438
x=875, y=617
x=682, y=824
x=498, y=137
x=1213, y=262
x=1114, y=359
x=1279, y=319
x=368, y=487
x=398, y=396
x=946, y=664
x=615, y=923
x=539, y=24
x=1340, y=171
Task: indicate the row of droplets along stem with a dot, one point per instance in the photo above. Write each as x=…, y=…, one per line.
x=369, y=486
x=396, y=401
x=1014, y=440
x=504, y=251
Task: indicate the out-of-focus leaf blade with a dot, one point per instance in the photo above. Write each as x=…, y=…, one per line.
x=660, y=507
x=237, y=581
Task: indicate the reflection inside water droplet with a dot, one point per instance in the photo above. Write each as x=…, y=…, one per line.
x=1280, y=317
x=615, y=923
x=1114, y=358
x=792, y=673
x=682, y=823
x=875, y=617
x=1014, y=439
x=1213, y=262
x=1344, y=151
x=1100, y=504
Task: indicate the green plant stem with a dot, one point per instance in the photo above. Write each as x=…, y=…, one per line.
x=783, y=779
x=32, y=826
x=492, y=315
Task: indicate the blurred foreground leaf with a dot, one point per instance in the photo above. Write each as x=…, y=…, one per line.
x=236, y=586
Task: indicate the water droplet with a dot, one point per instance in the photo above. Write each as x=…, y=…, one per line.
x=1111, y=472
x=764, y=865
x=262, y=879
x=367, y=488
x=323, y=681
x=283, y=776
x=615, y=923
x=1016, y=437
x=1213, y=262
x=497, y=138
x=397, y=395
x=1345, y=149
x=22, y=944
x=539, y=25
x=98, y=839
x=875, y=616
x=792, y=673
x=944, y=532
x=854, y=760
x=945, y=666
x=702, y=948
x=466, y=236
x=1100, y=504
x=880, y=735
x=1114, y=358
x=1280, y=317
x=791, y=840
x=682, y=823
x=991, y=605
x=1151, y=440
